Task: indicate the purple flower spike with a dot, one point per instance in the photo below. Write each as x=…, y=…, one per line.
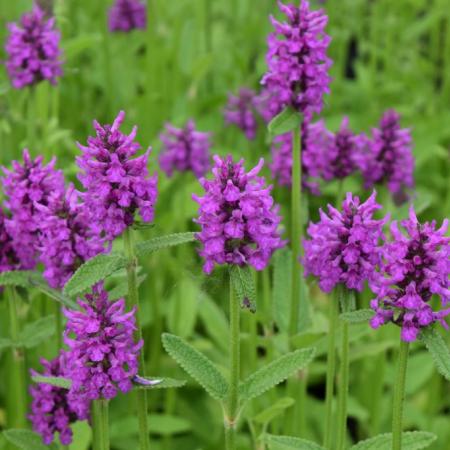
x=54, y=409
x=8, y=258
x=240, y=112
x=387, y=157
x=67, y=239
x=185, y=149
x=341, y=154
x=33, y=50
x=103, y=353
x=127, y=15
x=344, y=246
x=298, y=63
x=416, y=266
x=26, y=186
x=116, y=185
x=238, y=219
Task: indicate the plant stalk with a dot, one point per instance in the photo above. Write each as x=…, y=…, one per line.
x=232, y=409
x=331, y=369
x=296, y=227
x=343, y=383
x=133, y=301
x=399, y=396
x=18, y=385
x=100, y=424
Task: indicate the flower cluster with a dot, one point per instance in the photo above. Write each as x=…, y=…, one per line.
x=416, y=266
x=25, y=187
x=387, y=156
x=298, y=64
x=54, y=409
x=340, y=155
x=8, y=258
x=185, y=149
x=67, y=239
x=240, y=111
x=344, y=246
x=116, y=185
x=127, y=15
x=103, y=354
x=33, y=50
x=238, y=219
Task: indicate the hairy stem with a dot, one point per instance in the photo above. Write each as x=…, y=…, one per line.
x=331, y=369
x=399, y=396
x=100, y=421
x=18, y=385
x=133, y=301
x=343, y=379
x=233, y=399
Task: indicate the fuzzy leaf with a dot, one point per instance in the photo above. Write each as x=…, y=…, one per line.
x=22, y=278
x=27, y=440
x=274, y=410
x=244, y=286
x=197, y=365
x=160, y=383
x=290, y=443
x=93, y=271
x=284, y=122
x=274, y=373
x=146, y=247
x=411, y=440
x=167, y=425
x=36, y=332
x=358, y=316
x=60, y=382
x=438, y=349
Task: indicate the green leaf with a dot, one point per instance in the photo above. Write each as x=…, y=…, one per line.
x=160, y=383
x=22, y=278
x=274, y=373
x=438, y=349
x=284, y=122
x=146, y=247
x=274, y=410
x=93, y=271
x=197, y=365
x=27, y=440
x=288, y=443
x=244, y=286
x=60, y=382
x=36, y=332
x=358, y=316
x=411, y=440
x=6, y=343
x=282, y=282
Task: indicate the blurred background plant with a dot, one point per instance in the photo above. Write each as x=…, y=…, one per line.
x=191, y=56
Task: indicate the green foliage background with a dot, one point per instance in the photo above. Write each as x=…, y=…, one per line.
x=387, y=54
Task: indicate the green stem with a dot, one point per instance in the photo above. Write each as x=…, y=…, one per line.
x=343, y=389
x=18, y=385
x=399, y=396
x=100, y=424
x=133, y=301
x=296, y=227
x=331, y=369
x=232, y=410
x=59, y=326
